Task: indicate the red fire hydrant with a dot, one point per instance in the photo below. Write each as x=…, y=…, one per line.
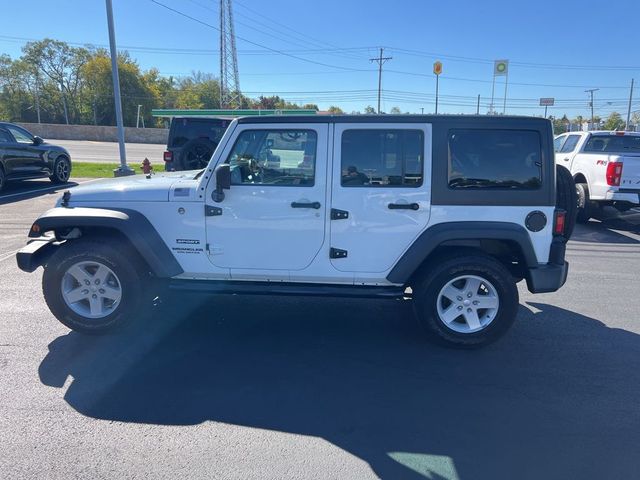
x=146, y=167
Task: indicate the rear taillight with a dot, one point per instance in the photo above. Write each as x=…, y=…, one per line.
x=559, y=221
x=168, y=156
x=614, y=173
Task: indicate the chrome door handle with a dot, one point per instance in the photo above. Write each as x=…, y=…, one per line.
x=315, y=205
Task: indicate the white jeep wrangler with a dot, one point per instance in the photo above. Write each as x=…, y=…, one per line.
x=447, y=211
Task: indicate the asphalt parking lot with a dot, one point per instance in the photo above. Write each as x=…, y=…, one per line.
x=273, y=388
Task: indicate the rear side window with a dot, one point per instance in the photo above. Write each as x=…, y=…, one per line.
x=495, y=159
x=5, y=137
x=570, y=144
x=185, y=129
x=613, y=144
x=382, y=158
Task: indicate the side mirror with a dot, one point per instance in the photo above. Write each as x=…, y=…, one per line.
x=37, y=140
x=223, y=181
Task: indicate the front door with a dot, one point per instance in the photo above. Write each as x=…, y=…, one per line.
x=381, y=193
x=23, y=156
x=273, y=216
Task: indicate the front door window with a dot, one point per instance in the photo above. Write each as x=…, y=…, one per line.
x=274, y=157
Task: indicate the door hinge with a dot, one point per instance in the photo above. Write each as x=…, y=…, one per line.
x=339, y=214
x=211, y=211
x=337, y=253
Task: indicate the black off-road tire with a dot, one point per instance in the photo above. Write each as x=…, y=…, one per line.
x=129, y=273
x=426, y=296
x=566, y=198
x=61, y=170
x=196, y=154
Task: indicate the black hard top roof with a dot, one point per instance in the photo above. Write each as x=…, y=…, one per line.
x=491, y=119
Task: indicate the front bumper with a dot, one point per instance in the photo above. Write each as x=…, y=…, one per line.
x=35, y=253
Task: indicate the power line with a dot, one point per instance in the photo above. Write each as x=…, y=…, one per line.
x=300, y=34
x=251, y=41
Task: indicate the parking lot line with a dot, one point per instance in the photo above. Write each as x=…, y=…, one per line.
x=8, y=255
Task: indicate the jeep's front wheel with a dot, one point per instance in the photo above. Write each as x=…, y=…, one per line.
x=90, y=288
x=466, y=302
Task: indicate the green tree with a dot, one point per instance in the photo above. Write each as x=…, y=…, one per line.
x=61, y=64
x=369, y=110
x=614, y=122
x=335, y=110
x=134, y=87
x=395, y=110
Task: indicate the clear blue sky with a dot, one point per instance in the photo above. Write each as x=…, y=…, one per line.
x=542, y=40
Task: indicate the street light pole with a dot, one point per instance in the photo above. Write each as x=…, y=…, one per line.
x=124, y=169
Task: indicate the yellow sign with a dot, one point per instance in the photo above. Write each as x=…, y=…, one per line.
x=437, y=67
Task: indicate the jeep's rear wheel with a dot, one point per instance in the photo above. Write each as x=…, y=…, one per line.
x=90, y=288
x=466, y=302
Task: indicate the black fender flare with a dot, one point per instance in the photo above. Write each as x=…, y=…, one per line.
x=131, y=224
x=443, y=233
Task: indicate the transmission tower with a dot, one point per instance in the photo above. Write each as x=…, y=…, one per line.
x=229, y=78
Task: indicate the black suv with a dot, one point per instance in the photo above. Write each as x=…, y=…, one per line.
x=24, y=156
x=192, y=142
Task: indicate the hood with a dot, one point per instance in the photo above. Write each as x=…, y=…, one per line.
x=135, y=188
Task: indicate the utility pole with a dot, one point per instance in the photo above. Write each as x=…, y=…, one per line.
x=626, y=127
x=138, y=116
x=380, y=60
x=124, y=169
x=478, y=106
x=590, y=91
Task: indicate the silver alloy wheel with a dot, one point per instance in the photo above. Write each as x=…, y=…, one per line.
x=62, y=170
x=468, y=304
x=91, y=289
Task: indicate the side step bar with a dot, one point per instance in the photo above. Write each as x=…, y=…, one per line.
x=286, y=288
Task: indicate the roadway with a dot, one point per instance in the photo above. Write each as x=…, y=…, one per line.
x=108, y=152
x=273, y=388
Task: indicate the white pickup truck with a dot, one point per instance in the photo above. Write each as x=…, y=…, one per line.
x=605, y=166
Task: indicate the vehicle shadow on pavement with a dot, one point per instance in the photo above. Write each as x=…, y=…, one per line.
x=556, y=398
x=25, y=190
x=608, y=227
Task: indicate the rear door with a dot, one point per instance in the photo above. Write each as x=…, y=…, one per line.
x=567, y=151
x=381, y=193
